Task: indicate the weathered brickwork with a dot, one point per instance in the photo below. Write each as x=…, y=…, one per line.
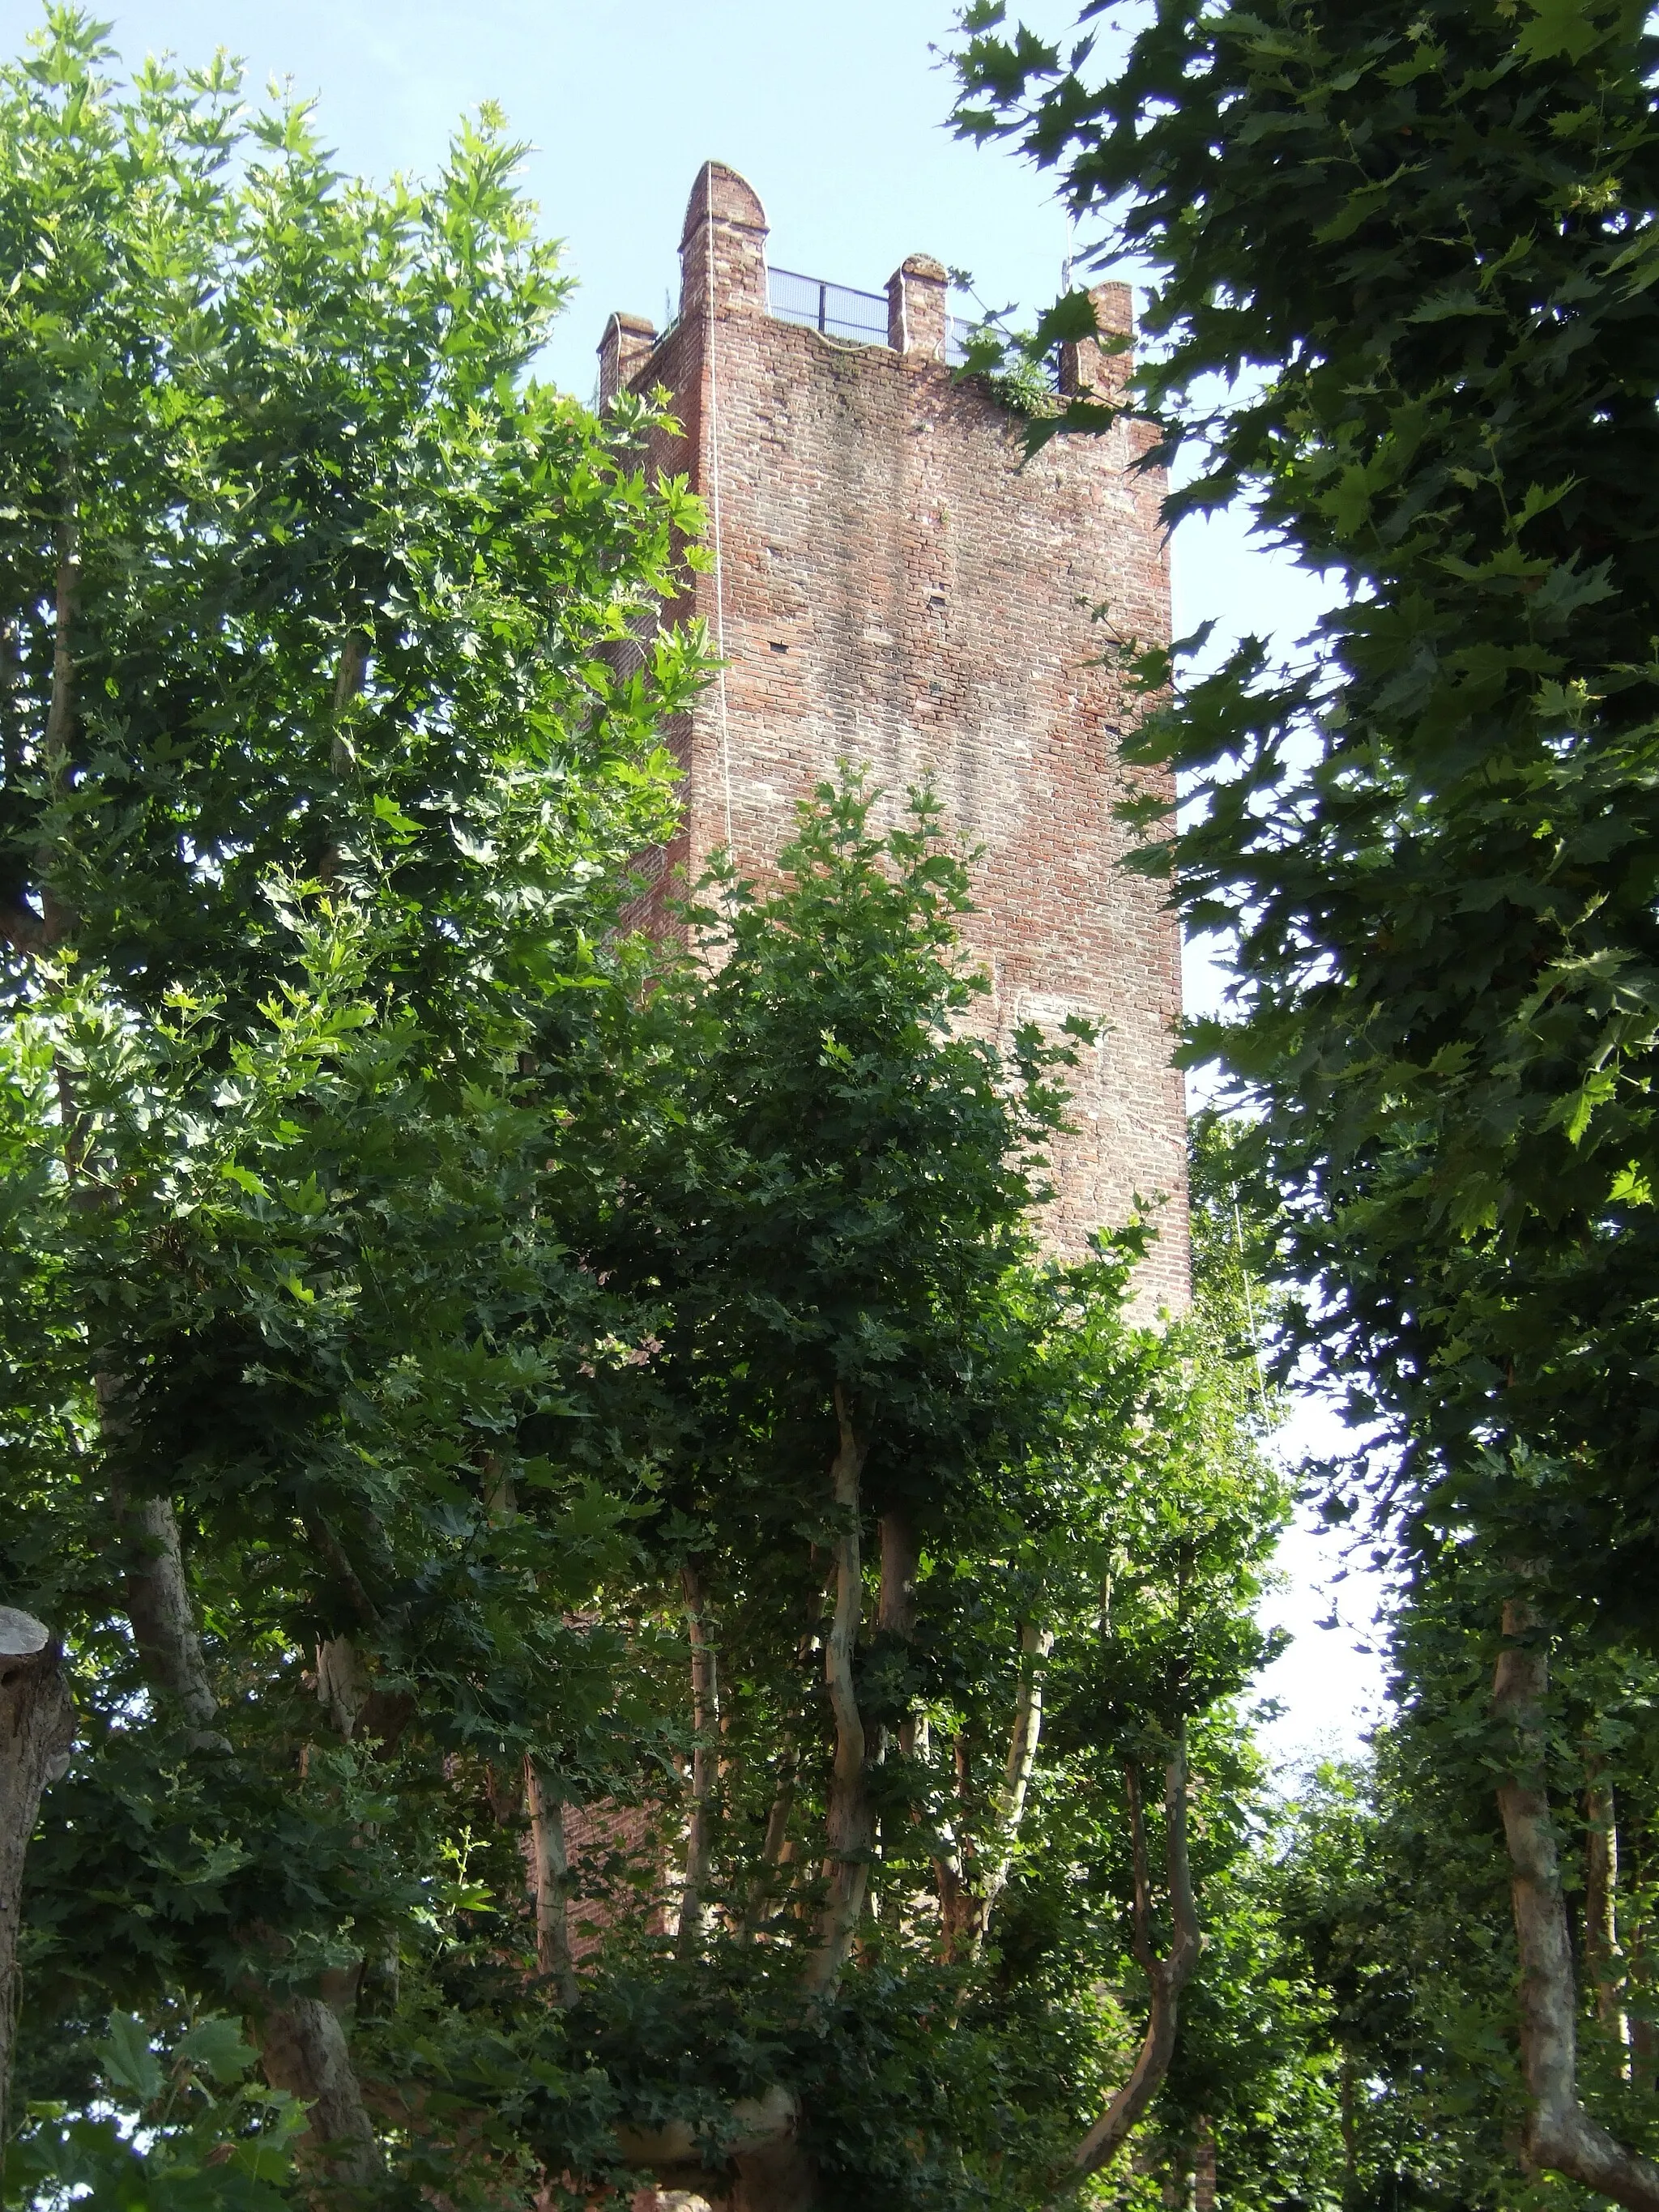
x=895, y=587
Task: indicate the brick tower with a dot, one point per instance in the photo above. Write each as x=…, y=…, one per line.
x=892, y=585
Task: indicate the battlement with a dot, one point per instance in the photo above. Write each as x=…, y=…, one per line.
x=895, y=585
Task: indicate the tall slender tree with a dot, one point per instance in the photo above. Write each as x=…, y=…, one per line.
x=1411, y=250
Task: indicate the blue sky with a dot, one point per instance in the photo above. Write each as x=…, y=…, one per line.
x=835, y=114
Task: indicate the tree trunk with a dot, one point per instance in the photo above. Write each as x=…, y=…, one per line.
x=303, y=2050
x=1034, y=1645
x=302, y=2045
x=1602, y=1953
x=895, y=1607
x=342, y=1684
x=705, y=1720
x=1560, y=2135
x=37, y=1727
x=550, y=1872
x=847, y=1869
x=774, y=1844
x=157, y=1590
x=953, y=1864
x=896, y=1619
x=1167, y=1977
x=158, y=1603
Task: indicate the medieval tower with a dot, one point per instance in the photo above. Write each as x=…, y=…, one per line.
x=892, y=584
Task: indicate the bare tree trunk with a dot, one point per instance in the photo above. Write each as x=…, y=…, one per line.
x=1601, y=1952
x=953, y=1863
x=157, y=1590
x=847, y=1869
x=1034, y=1645
x=1560, y=2135
x=303, y=2050
x=705, y=1720
x=896, y=1619
x=342, y=1684
x=349, y=673
x=550, y=1871
x=896, y=1607
x=302, y=2045
x=37, y=1727
x=773, y=1844
x=1167, y=1977
x=159, y=1606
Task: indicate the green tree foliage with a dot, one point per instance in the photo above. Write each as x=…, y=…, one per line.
x=1401, y=303
x=315, y=750
x=623, y=1618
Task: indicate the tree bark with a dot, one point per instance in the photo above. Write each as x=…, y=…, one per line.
x=1167, y=1977
x=896, y=1607
x=847, y=1868
x=303, y=2050
x=953, y=1864
x=550, y=1872
x=705, y=1720
x=1561, y=2137
x=1601, y=1952
x=774, y=1841
x=342, y=1684
x=159, y=1606
x=37, y=1727
x=1034, y=1645
x=302, y=2046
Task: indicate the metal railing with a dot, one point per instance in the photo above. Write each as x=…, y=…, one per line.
x=840, y=312
x=835, y=309
x=956, y=330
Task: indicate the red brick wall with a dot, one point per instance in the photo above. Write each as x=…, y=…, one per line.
x=896, y=587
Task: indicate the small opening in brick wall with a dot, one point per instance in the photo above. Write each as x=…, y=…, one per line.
x=778, y=646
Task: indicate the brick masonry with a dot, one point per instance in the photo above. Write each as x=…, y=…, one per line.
x=896, y=587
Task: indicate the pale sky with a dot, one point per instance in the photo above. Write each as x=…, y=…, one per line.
x=834, y=113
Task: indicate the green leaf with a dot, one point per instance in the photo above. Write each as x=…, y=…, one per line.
x=128, y=2061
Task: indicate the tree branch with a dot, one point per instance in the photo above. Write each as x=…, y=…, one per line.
x=1168, y=1976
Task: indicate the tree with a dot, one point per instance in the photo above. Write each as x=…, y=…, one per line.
x=314, y=745
x=1414, y=247
x=462, y=1366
